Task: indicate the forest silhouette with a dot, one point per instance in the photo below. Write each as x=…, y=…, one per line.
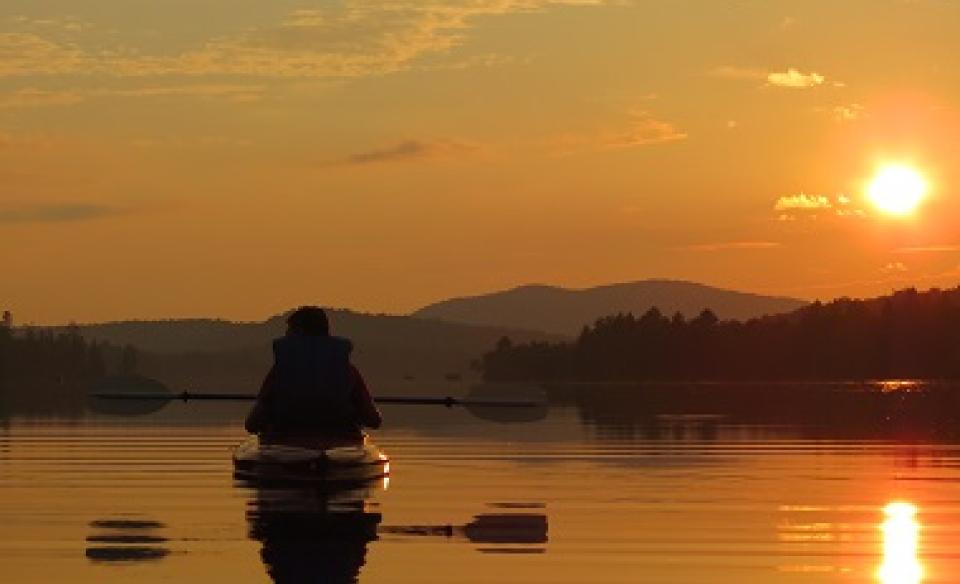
x=42, y=372
x=909, y=335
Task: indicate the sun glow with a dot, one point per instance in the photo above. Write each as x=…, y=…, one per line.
x=897, y=189
x=901, y=538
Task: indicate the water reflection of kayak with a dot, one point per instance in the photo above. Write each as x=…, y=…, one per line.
x=257, y=460
x=312, y=533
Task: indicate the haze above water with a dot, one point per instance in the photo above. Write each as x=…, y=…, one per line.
x=685, y=500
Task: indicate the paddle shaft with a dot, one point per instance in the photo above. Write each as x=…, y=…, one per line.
x=423, y=401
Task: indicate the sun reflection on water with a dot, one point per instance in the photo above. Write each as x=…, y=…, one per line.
x=901, y=537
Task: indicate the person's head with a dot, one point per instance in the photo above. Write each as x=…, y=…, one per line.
x=308, y=320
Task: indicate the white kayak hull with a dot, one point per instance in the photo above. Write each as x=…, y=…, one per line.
x=254, y=460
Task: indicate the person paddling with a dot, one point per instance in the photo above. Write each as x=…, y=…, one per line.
x=312, y=393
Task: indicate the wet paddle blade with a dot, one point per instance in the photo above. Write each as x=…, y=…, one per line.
x=506, y=402
x=128, y=395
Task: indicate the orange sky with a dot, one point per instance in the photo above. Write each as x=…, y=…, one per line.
x=235, y=158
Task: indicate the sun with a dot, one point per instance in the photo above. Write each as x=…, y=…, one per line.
x=897, y=189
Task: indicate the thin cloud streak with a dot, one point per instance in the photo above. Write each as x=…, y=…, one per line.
x=410, y=150
x=56, y=213
x=946, y=248
x=731, y=246
x=641, y=129
x=33, y=97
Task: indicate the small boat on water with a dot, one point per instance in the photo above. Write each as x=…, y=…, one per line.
x=358, y=462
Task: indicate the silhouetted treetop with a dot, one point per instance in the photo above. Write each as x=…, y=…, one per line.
x=908, y=334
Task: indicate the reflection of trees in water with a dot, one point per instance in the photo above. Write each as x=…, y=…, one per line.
x=925, y=411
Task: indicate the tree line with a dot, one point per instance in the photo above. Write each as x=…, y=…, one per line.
x=908, y=334
x=43, y=372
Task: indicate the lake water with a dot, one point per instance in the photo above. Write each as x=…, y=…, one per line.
x=562, y=500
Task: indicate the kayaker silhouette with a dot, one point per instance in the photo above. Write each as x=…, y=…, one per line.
x=312, y=393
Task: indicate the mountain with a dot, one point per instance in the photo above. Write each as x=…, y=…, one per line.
x=393, y=352
x=565, y=311
x=894, y=340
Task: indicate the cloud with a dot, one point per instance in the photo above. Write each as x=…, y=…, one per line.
x=795, y=79
x=791, y=78
x=643, y=129
x=640, y=129
x=410, y=150
x=944, y=248
x=731, y=245
x=25, y=53
x=30, y=97
x=788, y=22
x=803, y=201
x=730, y=72
x=794, y=207
x=33, y=97
x=894, y=268
x=848, y=113
x=55, y=213
x=59, y=24
x=348, y=39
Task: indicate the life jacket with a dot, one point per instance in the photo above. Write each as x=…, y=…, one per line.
x=313, y=378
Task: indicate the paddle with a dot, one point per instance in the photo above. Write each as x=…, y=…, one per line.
x=137, y=395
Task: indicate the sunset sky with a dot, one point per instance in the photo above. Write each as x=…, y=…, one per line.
x=235, y=158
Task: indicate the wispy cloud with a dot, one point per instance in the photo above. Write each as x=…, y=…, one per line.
x=641, y=128
x=33, y=97
x=348, y=39
x=55, y=213
x=848, y=113
x=794, y=79
x=802, y=201
x=793, y=207
x=942, y=248
x=731, y=246
x=64, y=24
x=411, y=150
x=731, y=72
x=30, y=97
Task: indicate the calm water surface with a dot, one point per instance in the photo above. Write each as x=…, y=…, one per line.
x=153, y=500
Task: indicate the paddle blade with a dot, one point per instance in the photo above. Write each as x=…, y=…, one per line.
x=128, y=395
x=507, y=402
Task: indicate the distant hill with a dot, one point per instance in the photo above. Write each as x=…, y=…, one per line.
x=392, y=351
x=566, y=311
x=908, y=335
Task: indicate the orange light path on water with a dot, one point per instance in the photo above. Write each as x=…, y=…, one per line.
x=901, y=542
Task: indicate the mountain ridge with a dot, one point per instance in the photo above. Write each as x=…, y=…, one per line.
x=393, y=351
x=561, y=310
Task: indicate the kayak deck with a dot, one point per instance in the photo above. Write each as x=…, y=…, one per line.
x=255, y=460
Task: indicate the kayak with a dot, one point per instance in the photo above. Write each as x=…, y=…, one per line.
x=254, y=460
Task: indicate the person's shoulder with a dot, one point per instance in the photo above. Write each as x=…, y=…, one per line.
x=342, y=344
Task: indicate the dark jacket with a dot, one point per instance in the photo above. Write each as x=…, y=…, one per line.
x=312, y=389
